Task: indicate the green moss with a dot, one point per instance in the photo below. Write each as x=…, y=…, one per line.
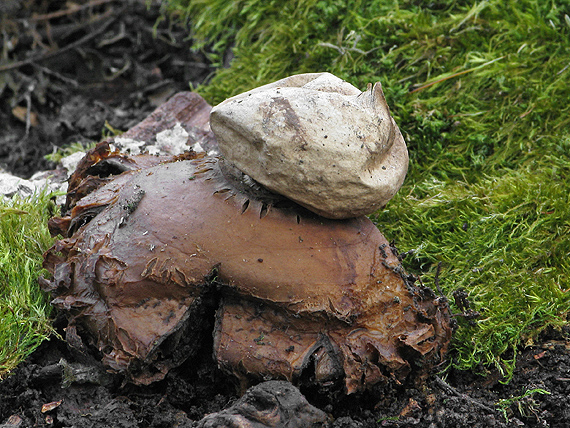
x=61, y=152
x=525, y=405
x=480, y=91
x=24, y=309
x=505, y=240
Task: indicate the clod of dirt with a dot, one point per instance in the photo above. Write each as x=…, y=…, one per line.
x=149, y=250
x=269, y=404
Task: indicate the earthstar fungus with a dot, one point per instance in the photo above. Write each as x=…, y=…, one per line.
x=151, y=244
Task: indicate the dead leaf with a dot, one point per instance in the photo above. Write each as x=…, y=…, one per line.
x=14, y=421
x=48, y=407
x=20, y=113
x=411, y=408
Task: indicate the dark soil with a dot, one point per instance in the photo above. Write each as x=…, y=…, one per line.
x=82, y=394
x=75, y=75
x=116, y=72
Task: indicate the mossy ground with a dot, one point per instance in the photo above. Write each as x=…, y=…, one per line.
x=480, y=91
x=24, y=309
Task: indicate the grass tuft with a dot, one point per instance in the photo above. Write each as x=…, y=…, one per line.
x=24, y=309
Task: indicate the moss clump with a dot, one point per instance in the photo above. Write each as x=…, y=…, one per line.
x=505, y=240
x=24, y=309
x=480, y=91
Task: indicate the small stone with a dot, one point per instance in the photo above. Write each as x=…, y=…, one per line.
x=13, y=421
x=11, y=185
x=317, y=140
x=70, y=162
x=172, y=141
x=49, y=181
x=270, y=404
x=128, y=145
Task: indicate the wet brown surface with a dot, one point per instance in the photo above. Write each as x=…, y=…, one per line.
x=299, y=292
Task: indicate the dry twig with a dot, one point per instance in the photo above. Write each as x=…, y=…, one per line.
x=452, y=391
x=69, y=11
x=73, y=45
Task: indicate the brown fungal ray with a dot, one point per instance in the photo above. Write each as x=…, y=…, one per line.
x=299, y=292
x=186, y=108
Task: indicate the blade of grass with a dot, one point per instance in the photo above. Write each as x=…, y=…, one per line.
x=454, y=75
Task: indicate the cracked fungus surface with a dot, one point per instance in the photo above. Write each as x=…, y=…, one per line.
x=296, y=295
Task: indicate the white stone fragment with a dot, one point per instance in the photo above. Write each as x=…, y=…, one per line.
x=128, y=145
x=172, y=141
x=11, y=185
x=317, y=140
x=70, y=162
